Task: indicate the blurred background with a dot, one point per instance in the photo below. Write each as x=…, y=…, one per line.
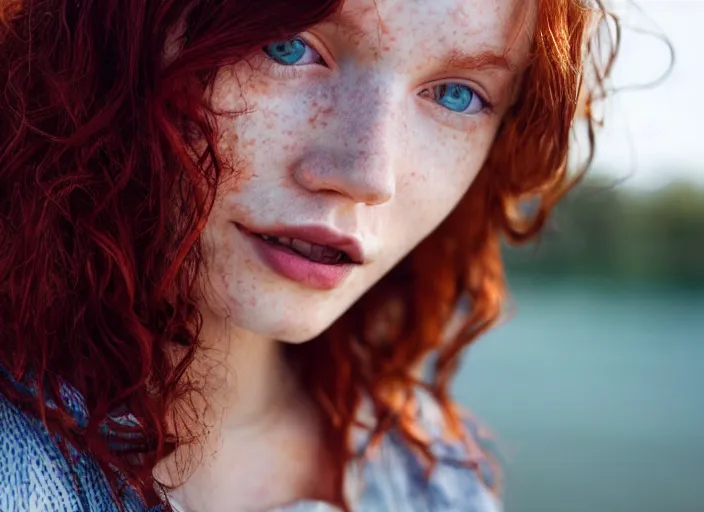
x=594, y=386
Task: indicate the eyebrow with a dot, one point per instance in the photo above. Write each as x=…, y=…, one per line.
x=345, y=20
x=477, y=61
x=457, y=59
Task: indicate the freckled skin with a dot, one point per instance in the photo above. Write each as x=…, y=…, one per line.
x=352, y=146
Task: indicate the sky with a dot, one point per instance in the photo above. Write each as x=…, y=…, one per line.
x=654, y=136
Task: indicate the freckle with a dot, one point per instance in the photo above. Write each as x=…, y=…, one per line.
x=312, y=119
x=241, y=171
x=384, y=27
x=253, y=301
x=237, y=211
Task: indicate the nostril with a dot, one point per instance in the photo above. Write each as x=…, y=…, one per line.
x=305, y=177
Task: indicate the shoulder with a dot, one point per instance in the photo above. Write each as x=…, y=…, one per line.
x=394, y=476
x=37, y=476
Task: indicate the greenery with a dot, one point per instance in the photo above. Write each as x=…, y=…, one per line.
x=607, y=231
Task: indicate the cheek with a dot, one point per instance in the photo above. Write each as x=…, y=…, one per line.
x=216, y=272
x=252, y=116
x=437, y=175
x=262, y=142
x=441, y=169
x=233, y=154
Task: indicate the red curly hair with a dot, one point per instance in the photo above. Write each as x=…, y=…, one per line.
x=102, y=205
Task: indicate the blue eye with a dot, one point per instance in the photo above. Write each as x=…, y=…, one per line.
x=458, y=98
x=292, y=52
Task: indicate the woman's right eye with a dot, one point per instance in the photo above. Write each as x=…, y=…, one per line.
x=293, y=52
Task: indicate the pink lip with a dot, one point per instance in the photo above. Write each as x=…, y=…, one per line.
x=287, y=263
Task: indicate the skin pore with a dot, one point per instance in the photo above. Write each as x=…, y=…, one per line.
x=372, y=125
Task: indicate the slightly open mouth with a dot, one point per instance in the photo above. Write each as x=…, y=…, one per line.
x=313, y=252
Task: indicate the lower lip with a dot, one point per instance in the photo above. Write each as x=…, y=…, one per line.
x=287, y=263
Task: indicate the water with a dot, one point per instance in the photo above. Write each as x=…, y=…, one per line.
x=596, y=396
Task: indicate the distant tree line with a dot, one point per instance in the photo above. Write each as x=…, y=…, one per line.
x=607, y=231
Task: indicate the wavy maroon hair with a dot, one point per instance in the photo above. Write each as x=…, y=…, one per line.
x=102, y=204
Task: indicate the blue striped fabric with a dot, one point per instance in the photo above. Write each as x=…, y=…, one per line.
x=34, y=476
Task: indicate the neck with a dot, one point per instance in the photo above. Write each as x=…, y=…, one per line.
x=243, y=377
x=247, y=403
x=241, y=386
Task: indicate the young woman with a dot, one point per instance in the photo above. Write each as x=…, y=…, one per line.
x=234, y=234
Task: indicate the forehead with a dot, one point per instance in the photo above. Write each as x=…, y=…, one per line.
x=504, y=26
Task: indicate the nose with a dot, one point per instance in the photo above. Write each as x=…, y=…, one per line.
x=356, y=156
x=363, y=177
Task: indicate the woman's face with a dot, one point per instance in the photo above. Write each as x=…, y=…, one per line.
x=360, y=137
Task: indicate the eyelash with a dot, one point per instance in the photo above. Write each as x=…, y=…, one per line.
x=292, y=71
x=286, y=72
x=485, y=105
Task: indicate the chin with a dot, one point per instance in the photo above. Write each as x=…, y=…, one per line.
x=296, y=326
x=292, y=332
x=269, y=306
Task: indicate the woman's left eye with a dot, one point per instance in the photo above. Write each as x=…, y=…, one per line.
x=292, y=52
x=456, y=97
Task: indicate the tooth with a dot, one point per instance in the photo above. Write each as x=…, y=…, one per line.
x=284, y=240
x=317, y=253
x=301, y=247
x=331, y=255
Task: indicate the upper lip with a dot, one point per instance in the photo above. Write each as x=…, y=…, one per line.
x=316, y=234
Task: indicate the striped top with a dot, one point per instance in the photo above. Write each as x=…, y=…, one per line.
x=35, y=476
